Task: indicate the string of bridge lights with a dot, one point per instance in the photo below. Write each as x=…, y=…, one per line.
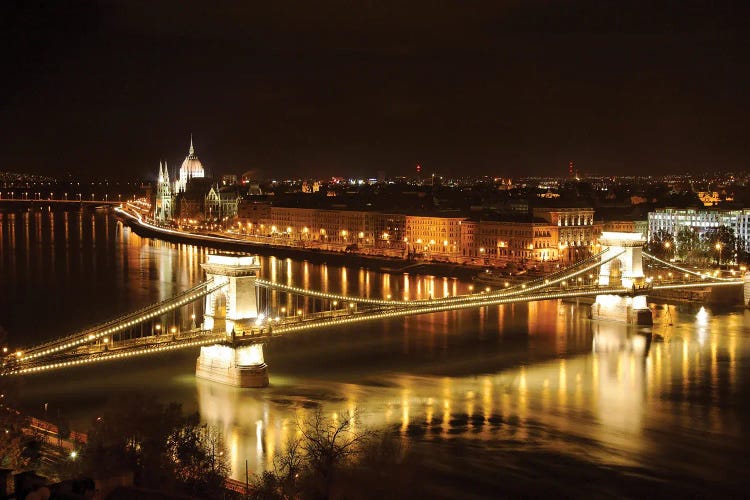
x=698, y=284
x=113, y=356
x=561, y=280
x=116, y=320
x=440, y=308
x=339, y=320
x=524, y=288
x=283, y=329
x=566, y=270
x=139, y=317
x=688, y=271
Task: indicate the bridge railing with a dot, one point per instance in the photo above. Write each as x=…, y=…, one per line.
x=562, y=271
x=141, y=341
x=685, y=270
x=122, y=322
x=562, y=275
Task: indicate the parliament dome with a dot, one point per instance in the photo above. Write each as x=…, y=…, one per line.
x=191, y=168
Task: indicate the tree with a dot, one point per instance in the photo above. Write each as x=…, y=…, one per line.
x=687, y=242
x=722, y=243
x=196, y=457
x=328, y=445
x=132, y=434
x=743, y=252
x=288, y=466
x=331, y=459
x=661, y=244
x=163, y=447
x=18, y=449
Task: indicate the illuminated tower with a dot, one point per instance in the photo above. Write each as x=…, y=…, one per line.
x=163, y=205
x=191, y=168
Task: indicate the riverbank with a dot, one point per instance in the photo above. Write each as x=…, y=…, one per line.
x=314, y=255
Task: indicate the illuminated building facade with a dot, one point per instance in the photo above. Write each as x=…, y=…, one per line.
x=516, y=239
x=502, y=242
x=191, y=168
x=434, y=237
x=578, y=233
x=673, y=220
x=172, y=199
x=221, y=203
x=164, y=203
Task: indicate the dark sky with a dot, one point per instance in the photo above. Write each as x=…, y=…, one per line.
x=320, y=88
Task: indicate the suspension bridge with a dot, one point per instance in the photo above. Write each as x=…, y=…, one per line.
x=233, y=312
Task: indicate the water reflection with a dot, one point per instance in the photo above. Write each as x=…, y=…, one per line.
x=598, y=403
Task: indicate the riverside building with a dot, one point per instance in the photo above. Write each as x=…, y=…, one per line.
x=672, y=220
x=526, y=241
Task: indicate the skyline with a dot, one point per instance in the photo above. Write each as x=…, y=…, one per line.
x=112, y=89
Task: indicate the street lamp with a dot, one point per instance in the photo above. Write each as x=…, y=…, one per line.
x=719, y=247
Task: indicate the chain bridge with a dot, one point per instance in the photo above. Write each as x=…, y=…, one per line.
x=233, y=312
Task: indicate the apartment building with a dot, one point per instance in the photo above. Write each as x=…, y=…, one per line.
x=578, y=233
x=433, y=236
x=519, y=239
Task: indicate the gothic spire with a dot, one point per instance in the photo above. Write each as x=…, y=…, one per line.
x=192, y=149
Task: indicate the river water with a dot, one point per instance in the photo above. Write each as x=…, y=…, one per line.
x=665, y=407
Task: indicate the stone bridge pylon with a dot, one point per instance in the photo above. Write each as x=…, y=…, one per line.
x=626, y=270
x=235, y=303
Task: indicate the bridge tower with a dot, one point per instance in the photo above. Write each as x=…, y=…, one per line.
x=237, y=299
x=625, y=270
x=234, y=301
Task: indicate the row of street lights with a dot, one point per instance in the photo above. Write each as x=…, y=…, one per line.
x=24, y=195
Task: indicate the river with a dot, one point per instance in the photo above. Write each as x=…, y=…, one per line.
x=662, y=407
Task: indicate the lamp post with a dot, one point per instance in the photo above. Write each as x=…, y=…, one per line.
x=719, y=247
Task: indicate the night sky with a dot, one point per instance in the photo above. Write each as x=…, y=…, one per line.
x=504, y=88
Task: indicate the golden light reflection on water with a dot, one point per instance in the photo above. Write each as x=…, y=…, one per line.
x=606, y=395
